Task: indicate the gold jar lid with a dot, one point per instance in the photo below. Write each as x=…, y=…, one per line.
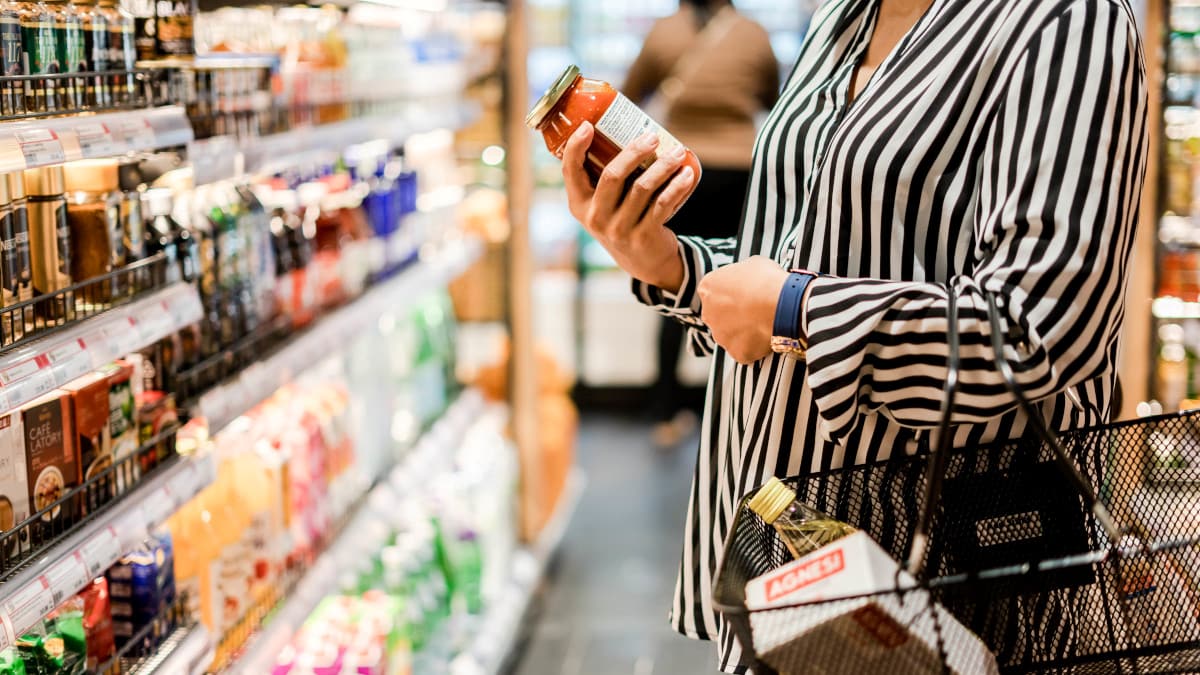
x=771, y=500
x=16, y=185
x=91, y=175
x=45, y=182
x=549, y=99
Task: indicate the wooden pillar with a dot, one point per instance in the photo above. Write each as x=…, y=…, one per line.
x=523, y=393
x=1137, y=362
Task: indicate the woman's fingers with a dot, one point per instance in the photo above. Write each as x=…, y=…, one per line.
x=611, y=186
x=579, y=186
x=648, y=184
x=671, y=198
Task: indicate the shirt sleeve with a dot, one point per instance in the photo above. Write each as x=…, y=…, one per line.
x=1061, y=174
x=700, y=256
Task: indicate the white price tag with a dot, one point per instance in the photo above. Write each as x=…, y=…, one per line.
x=8, y=637
x=40, y=147
x=95, y=140
x=66, y=577
x=130, y=339
x=136, y=134
x=98, y=348
x=23, y=391
x=158, y=506
x=26, y=607
x=70, y=361
x=19, y=371
x=101, y=551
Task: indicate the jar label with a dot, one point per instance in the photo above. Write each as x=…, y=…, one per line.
x=10, y=41
x=624, y=122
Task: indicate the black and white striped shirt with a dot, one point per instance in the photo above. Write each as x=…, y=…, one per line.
x=1001, y=146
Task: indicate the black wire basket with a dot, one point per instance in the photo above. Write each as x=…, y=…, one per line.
x=1011, y=543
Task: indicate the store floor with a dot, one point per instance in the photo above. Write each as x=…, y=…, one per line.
x=604, y=609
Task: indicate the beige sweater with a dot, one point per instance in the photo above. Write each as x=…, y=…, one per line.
x=737, y=79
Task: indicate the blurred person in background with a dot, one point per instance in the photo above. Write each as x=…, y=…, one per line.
x=710, y=72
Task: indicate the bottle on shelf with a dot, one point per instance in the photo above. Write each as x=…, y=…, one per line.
x=123, y=50
x=12, y=94
x=162, y=232
x=72, y=56
x=39, y=52
x=49, y=240
x=144, y=25
x=98, y=47
x=802, y=528
x=97, y=233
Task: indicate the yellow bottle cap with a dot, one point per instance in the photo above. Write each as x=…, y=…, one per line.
x=771, y=500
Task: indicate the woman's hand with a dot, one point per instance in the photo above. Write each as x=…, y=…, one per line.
x=738, y=305
x=630, y=225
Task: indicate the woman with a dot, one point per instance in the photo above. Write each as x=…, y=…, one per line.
x=713, y=72
x=921, y=147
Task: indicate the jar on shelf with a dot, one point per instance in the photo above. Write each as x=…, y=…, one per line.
x=574, y=99
x=49, y=239
x=12, y=94
x=72, y=56
x=97, y=44
x=39, y=53
x=94, y=214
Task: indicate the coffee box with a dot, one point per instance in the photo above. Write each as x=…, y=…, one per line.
x=90, y=413
x=51, y=457
x=14, y=479
x=122, y=414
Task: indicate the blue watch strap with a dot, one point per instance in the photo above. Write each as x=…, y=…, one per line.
x=787, y=310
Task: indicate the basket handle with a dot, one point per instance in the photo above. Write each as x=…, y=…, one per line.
x=936, y=470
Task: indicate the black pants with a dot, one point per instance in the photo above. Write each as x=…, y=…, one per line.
x=714, y=211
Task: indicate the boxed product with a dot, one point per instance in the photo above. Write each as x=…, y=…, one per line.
x=97, y=623
x=51, y=458
x=889, y=632
x=89, y=413
x=122, y=421
x=155, y=413
x=14, y=478
x=141, y=586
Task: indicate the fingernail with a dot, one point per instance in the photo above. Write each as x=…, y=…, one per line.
x=648, y=140
x=583, y=130
x=686, y=173
x=677, y=153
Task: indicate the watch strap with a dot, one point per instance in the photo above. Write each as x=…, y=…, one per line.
x=787, y=310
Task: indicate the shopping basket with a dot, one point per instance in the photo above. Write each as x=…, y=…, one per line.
x=1011, y=538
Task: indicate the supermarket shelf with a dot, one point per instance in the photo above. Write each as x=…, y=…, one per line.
x=187, y=651
x=94, y=547
x=284, y=149
x=321, y=579
x=226, y=402
x=30, y=371
x=34, y=143
x=501, y=626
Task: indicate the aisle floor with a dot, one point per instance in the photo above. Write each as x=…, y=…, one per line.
x=605, y=606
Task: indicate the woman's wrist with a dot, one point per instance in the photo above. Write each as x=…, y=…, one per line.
x=668, y=274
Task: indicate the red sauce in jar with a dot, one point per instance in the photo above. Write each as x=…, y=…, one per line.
x=575, y=99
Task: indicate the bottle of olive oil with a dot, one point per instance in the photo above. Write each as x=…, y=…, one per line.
x=802, y=528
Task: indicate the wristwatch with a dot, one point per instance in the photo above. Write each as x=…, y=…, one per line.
x=786, y=338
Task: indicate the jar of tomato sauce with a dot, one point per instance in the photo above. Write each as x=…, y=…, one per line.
x=575, y=99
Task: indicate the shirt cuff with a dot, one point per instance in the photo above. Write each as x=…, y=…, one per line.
x=685, y=301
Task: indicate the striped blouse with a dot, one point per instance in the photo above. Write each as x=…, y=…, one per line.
x=1000, y=147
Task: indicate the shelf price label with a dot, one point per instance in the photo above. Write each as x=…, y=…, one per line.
x=40, y=147
x=95, y=140
x=26, y=607
x=101, y=551
x=137, y=134
x=184, y=484
x=70, y=361
x=65, y=577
